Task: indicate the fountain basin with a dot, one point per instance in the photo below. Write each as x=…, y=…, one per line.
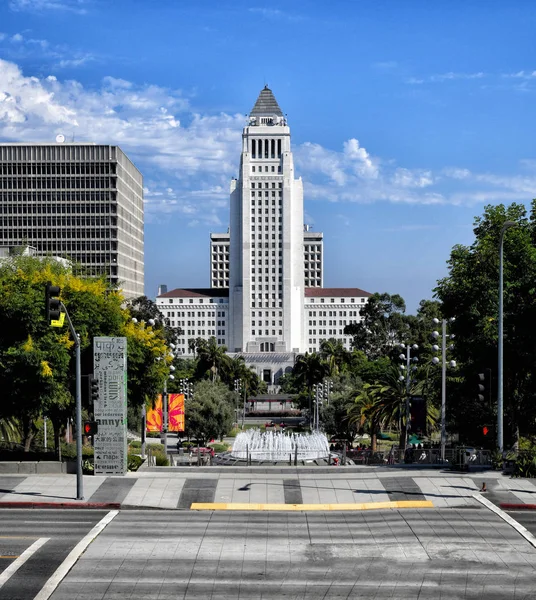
x=277, y=446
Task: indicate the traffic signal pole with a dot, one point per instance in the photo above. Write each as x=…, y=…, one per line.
x=78, y=409
x=53, y=306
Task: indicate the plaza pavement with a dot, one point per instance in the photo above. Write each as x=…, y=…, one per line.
x=180, y=487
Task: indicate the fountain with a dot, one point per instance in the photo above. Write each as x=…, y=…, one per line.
x=273, y=447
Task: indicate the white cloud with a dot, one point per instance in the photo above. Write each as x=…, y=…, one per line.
x=521, y=75
x=441, y=77
x=189, y=157
x=75, y=6
x=17, y=38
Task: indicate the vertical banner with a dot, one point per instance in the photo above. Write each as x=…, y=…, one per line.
x=154, y=415
x=110, y=410
x=176, y=412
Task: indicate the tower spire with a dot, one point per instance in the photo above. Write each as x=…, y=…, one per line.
x=266, y=105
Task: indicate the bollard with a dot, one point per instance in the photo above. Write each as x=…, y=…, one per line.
x=483, y=488
x=296, y=455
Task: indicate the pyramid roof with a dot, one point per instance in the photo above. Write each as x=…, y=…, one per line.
x=266, y=104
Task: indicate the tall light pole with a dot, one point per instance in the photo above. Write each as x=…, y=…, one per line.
x=435, y=360
x=500, y=441
x=407, y=357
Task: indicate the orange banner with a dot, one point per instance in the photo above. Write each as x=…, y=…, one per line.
x=154, y=416
x=176, y=412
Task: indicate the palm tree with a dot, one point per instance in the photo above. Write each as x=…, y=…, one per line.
x=9, y=431
x=335, y=355
x=213, y=358
x=309, y=369
x=367, y=410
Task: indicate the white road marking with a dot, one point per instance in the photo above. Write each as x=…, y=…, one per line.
x=58, y=575
x=505, y=517
x=17, y=564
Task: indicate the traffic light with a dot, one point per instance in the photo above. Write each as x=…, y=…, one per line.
x=91, y=428
x=52, y=303
x=94, y=387
x=481, y=387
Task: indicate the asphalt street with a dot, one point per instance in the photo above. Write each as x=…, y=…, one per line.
x=47, y=537
x=435, y=553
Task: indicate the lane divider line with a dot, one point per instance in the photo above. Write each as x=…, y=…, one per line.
x=507, y=518
x=6, y=574
x=56, y=578
x=311, y=507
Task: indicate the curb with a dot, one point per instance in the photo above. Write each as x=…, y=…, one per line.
x=312, y=507
x=512, y=506
x=77, y=505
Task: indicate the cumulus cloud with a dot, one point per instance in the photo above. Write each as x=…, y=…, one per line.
x=188, y=157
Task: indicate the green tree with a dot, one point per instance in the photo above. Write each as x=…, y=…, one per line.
x=470, y=294
x=212, y=360
x=309, y=369
x=209, y=414
x=383, y=326
x=335, y=355
x=37, y=370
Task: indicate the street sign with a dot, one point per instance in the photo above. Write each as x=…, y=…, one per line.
x=110, y=408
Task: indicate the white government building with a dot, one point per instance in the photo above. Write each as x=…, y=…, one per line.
x=266, y=301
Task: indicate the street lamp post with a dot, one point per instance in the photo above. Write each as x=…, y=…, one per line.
x=238, y=389
x=435, y=360
x=407, y=357
x=500, y=440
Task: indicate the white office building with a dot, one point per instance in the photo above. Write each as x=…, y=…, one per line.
x=266, y=273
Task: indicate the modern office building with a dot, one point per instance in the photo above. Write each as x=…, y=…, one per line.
x=82, y=202
x=267, y=302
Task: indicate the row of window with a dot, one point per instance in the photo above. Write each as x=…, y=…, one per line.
x=329, y=332
x=200, y=300
x=334, y=313
x=193, y=313
x=272, y=169
x=265, y=148
x=342, y=300
x=12, y=183
x=266, y=185
x=332, y=322
x=50, y=168
x=57, y=209
x=266, y=332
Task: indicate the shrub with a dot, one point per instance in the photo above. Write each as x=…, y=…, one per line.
x=219, y=448
x=161, y=460
x=135, y=444
x=134, y=462
x=525, y=465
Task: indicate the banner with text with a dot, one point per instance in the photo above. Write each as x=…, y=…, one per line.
x=110, y=410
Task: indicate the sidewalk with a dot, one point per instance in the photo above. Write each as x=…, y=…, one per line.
x=178, y=488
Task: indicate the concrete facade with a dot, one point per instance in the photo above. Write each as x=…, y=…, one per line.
x=267, y=271
x=82, y=202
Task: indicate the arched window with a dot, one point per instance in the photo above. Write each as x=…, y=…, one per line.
x=253, y=148
x=272, y=144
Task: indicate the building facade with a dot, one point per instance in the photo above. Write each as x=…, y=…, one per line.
x=267, y=300
x=82, y=202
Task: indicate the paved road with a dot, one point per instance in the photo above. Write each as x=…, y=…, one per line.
x=429, y=554
x=49, y=535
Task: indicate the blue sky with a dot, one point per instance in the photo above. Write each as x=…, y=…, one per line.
x=407, y=118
